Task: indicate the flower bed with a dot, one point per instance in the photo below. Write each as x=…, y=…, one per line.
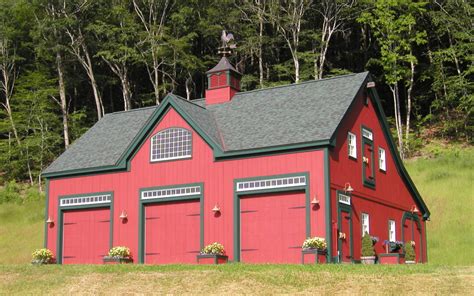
x=212, y=254
x=118, y=255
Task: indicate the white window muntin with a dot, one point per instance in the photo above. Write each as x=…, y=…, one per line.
x=271, y=183
x=392, y=235
x=171, y=143
x=352, y=145
x=382, y=162
x=345, y=199
x=367, y=134
x=85, y=200
x=171, y=192
x=365, y=223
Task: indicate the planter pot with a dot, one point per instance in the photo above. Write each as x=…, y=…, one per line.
x=313, y=256
x=117, y=260
x=42, y=262
x=367, y=259
x=391, y=258
x=410, y=262
x=212, y=259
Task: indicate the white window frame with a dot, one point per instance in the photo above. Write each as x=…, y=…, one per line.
x=351, y=145
x=85, y=200
x=392, y=232
x=271, y=183
x=365, y=221
x=367, y=134
x=155, y=157
x=382, y=159
x=171, y=192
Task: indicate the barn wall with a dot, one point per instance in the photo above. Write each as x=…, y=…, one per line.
x=390, y=198
x=217, y=177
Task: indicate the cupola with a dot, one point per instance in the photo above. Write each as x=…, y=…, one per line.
x=223, y=81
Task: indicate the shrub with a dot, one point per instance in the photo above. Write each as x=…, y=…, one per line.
x=10, y=193
x=409, y=252
x=42, y=256
x=120, y=252
x=213, y=249
x=367, y=246
x=315, y=243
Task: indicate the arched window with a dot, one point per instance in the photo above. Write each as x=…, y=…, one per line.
x=171, y=143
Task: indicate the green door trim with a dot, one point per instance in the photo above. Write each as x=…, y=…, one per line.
x=144, y=202
x=348, y=209
x=238, y=195
x=62, y=209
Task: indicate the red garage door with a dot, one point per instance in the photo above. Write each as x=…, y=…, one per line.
x=86, y=235
x=172, y=232
x=272, y=227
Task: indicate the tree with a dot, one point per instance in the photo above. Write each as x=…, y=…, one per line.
x=335, y=13
x=116, y=34
x=288, y=17
x=153, y=15
x=393, y=23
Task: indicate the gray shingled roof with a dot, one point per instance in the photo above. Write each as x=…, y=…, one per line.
x=104, y=143
x=292, y=114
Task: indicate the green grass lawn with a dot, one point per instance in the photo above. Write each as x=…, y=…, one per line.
x=237, y=279
x=444, y=177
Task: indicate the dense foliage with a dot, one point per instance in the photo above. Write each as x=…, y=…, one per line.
x=64, y=64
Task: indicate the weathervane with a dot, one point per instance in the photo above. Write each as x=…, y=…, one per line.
x=227, y=45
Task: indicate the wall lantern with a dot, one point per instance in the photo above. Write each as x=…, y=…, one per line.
x=216, y=208
x=50, y=221
x=315, y=201
x=414, y=209
x=123, y=215
x=348, y=188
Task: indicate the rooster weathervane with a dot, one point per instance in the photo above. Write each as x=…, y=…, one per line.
x=227, y=44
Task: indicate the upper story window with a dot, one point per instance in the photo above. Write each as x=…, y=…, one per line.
x=382, y=163
x=171, y=143
x=352, y=145
x=365, y=224
x=391, y=231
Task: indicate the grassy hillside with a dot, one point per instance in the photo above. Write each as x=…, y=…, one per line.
x=444, y=177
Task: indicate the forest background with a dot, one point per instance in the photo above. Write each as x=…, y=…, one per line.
x=65, y=64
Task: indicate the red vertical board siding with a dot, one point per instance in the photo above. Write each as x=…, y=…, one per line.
x=389, y=199
x=272, y=227
x=172, y=232
x=217, y=176
x=86, y=235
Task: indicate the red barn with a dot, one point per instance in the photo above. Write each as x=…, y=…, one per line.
x=258, y=171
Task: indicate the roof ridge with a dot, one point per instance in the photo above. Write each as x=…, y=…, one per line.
x=132, y=110
x=301, y=83
x=190, y=101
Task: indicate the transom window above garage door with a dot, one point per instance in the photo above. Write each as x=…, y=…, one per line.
x=171, y=143
x=85, y=200
x=171, y=192
x=271, y=183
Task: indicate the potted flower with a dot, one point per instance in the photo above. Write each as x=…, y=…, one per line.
x=314, y=247
x=410, y=253
x=368, y=253
x=118, y=255
x=375, y=239
x=42, y=256
x=213, y=254
x=393, y=246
